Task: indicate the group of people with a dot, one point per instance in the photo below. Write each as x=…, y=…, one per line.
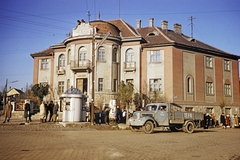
x=120, y=115
x=49, y=108
x=229, y=121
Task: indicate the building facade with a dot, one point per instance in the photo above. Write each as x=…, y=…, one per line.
x=156, y=60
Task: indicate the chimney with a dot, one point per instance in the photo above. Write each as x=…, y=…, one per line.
x=151, y=20
x=165, y=25
x=138, y=23
x=178, y=28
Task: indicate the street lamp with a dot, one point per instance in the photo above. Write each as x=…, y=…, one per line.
x=5, y=91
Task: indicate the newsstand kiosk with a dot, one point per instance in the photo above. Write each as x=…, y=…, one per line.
x=72, y=102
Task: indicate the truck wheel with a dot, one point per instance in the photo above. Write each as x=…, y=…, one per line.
x=189, y=127
x=148, y=127
x=134, y=129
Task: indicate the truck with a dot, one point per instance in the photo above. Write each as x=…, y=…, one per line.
x=169, y=115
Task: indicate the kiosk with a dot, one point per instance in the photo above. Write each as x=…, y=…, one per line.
x=73, y=106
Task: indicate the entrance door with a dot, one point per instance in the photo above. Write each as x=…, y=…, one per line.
x=82, y=84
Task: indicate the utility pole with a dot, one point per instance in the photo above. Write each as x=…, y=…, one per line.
x=191, y=19
x=93, y=72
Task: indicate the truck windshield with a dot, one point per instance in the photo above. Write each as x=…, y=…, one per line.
x=151, y=108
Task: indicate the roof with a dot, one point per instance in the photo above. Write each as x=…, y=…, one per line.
x=14, y=91
x=126, y=29
x=46, y=52
x=149, y=36
x=155, y=36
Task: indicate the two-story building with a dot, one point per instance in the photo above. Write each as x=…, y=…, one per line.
x=99, y=54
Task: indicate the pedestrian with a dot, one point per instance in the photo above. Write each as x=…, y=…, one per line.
x=106, y=118
x=55, y=110
x=222, y=120
x=47, y=110
x=7, y=111
x=118, y=115
x=27, y=114
x=124, y=116
x=43, y=112
x=232, y=121
x=50, y=107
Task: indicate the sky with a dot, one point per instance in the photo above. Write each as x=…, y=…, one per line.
x=29, y=26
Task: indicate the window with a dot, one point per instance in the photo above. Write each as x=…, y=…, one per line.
x=189, y=85
x=155, y=84
x=101, y=54
x=44, y=64
x=68, y=56
x=209, y=62
x=129, y=81
x=130, y=55
x=209, y=88
x=227, y=89
x=155, y=56
x=61, y=60
x=114, y=55
x=60, y=87
x=82, y=54
x=189, y=109
x=100, y=84
x=226, y=65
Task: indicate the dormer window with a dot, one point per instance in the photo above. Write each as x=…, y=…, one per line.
x=151, y=34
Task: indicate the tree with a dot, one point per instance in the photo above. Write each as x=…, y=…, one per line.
x=125, y=94
x=40, y=90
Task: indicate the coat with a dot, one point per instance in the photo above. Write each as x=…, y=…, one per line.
x=7, y=110
x=42, y=110
x=26, y=110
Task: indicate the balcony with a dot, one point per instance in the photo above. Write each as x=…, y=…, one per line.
x=60, y=70
x=80, y=66
x=129, y=66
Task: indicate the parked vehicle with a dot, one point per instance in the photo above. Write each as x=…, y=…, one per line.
x=165, y=115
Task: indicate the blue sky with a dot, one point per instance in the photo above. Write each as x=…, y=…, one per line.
x=29, y=26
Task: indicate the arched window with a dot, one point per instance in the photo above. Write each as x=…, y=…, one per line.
x=82, y=54
x=61, y=60
x=130, y=55
x=68, y=56
x=101, y=54
x=189, y=84
x=114, y=55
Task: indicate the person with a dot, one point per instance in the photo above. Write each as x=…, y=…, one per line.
x=222, y=120
x=47, y=110
x=106, y=118
x=43, y=111
x=124, y=115
x=118, y=115
x=7, y=110
x=50, y=108
x=55, y=110
x=27, y=114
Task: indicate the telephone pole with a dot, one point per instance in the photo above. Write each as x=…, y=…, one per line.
x=191, y=19
x=93, y=78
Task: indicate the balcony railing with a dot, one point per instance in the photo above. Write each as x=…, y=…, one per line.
x=60, y=70
x=129, y=66
x=80, y=65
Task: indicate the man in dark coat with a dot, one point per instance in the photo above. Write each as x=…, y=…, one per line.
x=50, y=108
x=118, y=115
x=223, y=121
x=27, y=114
